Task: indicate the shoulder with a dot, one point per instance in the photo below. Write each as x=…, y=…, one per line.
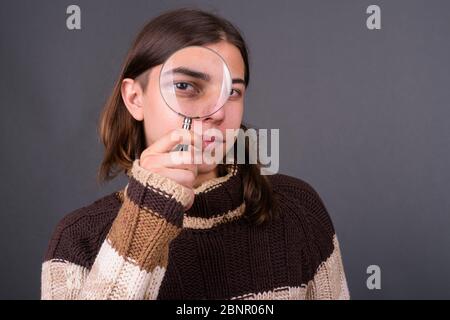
x=78, y=236
x=300, y=198
x=297, y=192
x=283, y=183
x=304, y=211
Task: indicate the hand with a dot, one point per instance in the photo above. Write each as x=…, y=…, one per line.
x=176, y=165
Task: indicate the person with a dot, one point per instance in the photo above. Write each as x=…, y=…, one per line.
x=189, y=231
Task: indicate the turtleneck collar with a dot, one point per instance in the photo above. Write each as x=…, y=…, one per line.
x=217, y=201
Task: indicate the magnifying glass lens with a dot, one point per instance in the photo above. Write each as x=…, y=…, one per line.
x=195, y=82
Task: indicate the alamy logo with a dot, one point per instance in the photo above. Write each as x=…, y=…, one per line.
x=373, y=21
x=221, y=150
x=73, y=21
x=374, y=280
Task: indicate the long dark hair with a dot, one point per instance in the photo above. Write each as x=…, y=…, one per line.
x=123, y=136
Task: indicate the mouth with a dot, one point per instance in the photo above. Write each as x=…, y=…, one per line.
x=207, y=140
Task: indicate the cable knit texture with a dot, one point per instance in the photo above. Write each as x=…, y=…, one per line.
x=140, y=243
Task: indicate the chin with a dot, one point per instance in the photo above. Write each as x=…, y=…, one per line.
x=205, y=168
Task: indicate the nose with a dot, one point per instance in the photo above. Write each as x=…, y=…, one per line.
x=216, y=117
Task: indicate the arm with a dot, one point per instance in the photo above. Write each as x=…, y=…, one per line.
x=329, y=282
x=324, y=276
x=133, y=258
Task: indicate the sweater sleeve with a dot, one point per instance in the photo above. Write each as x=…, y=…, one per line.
x=132, y=260
x=323, y=276
x=329, y=282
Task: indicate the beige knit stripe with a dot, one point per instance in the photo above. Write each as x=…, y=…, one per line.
x=215, y=182
x=61, y=280
x=281, y=293
x=157, y=181
x=206, y=223
x=329, y=282
x=113, y=277
x=141, y=236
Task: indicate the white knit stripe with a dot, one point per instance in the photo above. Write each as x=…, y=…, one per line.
x=61, y=280
x=207, y=223
x=113, y=277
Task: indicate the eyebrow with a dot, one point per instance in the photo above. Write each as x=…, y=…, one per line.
x=189, y=72
x=198, y=74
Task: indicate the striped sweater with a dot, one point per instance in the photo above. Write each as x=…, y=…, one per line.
x=139, y=243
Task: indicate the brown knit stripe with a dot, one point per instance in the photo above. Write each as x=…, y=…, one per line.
x=155, y=201
x=226, y=196
x=329, y=283
x=141, y=236
x=79, y=235
x=257, y=259
x=161, y=184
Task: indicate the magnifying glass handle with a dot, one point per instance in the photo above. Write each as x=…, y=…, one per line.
x=186, y=125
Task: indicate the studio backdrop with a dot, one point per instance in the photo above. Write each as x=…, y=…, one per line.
x=359, y=91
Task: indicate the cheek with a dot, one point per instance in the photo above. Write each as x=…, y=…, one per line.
x=233, y=119
x=158, y=118
x=233, y=115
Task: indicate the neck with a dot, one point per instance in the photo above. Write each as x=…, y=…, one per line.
x=217, y=201
x=204, y=176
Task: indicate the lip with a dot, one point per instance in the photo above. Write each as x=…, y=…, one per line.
x=211, y=138
x=208, y=140
x=206, y=143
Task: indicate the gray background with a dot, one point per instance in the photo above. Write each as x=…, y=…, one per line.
x=363, y=117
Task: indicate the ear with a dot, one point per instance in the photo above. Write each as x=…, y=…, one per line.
x=132, y=96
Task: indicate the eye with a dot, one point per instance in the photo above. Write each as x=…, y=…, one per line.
x=235, y=93
x=186, y=90
x=183, y=85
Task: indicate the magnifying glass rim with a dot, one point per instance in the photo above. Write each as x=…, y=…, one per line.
x=162, y=68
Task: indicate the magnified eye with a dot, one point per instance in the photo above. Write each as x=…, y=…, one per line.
x=186, y=89
x=182, y=85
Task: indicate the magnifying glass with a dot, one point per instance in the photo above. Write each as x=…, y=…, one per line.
x=195, y=83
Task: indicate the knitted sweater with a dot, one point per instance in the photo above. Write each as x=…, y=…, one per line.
x=139, y=243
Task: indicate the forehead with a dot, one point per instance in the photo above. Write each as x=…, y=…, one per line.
x=229, y=52
x=232, y=56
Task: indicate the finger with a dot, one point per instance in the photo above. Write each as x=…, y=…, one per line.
x=181, y=176
x=172, y=159
x=178, y=136
x=169, y=164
